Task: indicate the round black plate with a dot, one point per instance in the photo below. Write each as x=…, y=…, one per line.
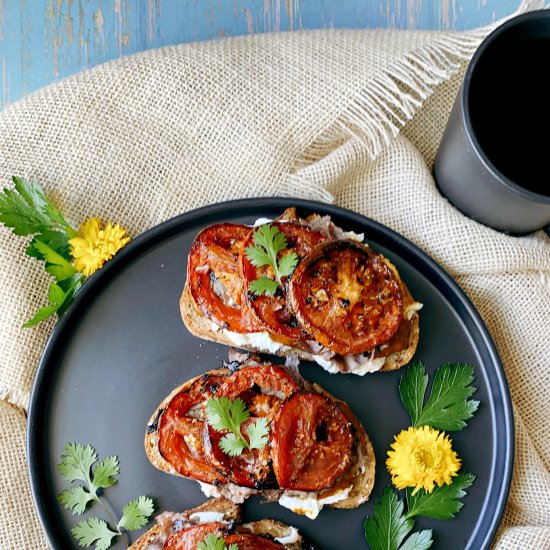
x=122, y=347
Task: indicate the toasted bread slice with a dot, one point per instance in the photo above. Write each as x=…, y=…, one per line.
x=154, y=538
x=358, y=479
x=398, y=352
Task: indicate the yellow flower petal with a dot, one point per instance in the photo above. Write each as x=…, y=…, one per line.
x=422, y=458
x=94, y=246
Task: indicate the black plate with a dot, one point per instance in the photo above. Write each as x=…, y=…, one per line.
x=122, y=347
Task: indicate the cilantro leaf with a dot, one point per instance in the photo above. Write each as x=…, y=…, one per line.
x=449, y=404
x=226, y=414
x=268, y=242
x=443, y=502
x=231, y=445
x=223, y=413
x=388, y=527
x=215, y=542
x=136, y=513
x=75, y=499
x=93, y=530
x=76, y=462
x=263, y=285
x=105, y=471
x=258, y=433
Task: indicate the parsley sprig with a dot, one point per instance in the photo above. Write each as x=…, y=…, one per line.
x=80, y=463
x=28, y=212
x=268, y=242
x=449, y=404
x=447, y=408
x=223, y=413
x=214, y=542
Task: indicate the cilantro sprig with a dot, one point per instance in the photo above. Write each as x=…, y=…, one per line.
x=268, y=242
x=214, y=542
x=223, y=413
x=449, y=404
x=28, y=212
x=80, y=463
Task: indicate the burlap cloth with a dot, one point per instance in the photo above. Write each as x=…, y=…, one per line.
x=352, y=117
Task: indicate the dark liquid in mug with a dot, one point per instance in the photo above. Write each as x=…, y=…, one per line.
x=510, y=110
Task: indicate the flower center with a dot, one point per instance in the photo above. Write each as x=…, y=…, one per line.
x=425, y=458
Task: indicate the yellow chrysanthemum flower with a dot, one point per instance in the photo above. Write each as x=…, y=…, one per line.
x=94, y=246
x=422, y=457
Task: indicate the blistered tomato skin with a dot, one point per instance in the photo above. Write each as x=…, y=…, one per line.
x=189, y=538
x=346, y=297
x=249, y=541
x=262, y=388
x=311, y=444
x=273, y=311
x=180, y=431
x=213, y=277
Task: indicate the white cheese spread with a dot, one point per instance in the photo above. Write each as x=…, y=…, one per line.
x=310, y=504
x=207, y=517
x=290, y=538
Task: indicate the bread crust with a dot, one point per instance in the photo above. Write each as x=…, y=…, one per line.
x=360, y=475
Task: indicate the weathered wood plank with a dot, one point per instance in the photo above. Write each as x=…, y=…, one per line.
x=41, y=42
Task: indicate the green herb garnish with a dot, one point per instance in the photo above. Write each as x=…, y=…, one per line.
x=268, y=242
x=27, y=211
x=388, y=527
x=223, y=413
x=79, y=463
x=449, y=404
x=214, y=542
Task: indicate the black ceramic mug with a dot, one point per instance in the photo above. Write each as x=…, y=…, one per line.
x=493, y=162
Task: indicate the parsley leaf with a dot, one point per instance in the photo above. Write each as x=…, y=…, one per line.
x=136, y=513
x=214, y=542
x=442, y=502
x=449, y=404
x=75, y=499
x=27, y=210
x=60, y=296
x=268, y=242
x=223, y=413
x=389, y=526
x=93, y=530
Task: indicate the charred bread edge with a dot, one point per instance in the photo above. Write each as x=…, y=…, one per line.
x=361, y=474
x=270, y=527
x=201, y=326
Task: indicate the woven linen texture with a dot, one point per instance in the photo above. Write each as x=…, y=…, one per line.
x=352, y=117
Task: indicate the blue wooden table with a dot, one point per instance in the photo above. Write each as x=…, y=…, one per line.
x=42, y=41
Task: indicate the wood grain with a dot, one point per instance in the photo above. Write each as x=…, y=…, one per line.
x=42, y=41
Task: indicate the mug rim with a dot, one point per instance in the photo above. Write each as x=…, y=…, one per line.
x=465, y=92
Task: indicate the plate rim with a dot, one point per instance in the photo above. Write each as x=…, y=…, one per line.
x=409, y=251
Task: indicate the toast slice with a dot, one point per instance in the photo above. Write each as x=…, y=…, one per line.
x=351, y=489
x=396, y=353
x=224, y=511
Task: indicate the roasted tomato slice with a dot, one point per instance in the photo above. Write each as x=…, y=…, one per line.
x=346, y=297
x=189, y=538
x=213, y=277
x=248, y=541
x=262, y=388
x=180, y=429
x=311, y=443
x=273, y=311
